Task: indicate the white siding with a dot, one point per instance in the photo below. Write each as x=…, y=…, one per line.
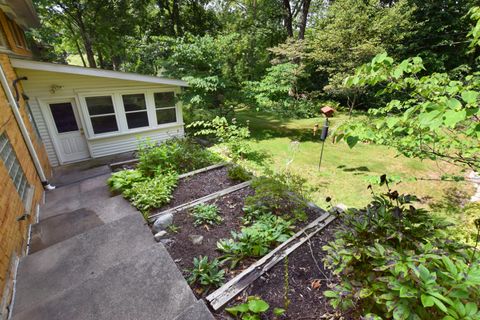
x=39, y=87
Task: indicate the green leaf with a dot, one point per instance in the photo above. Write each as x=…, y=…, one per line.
x=352, y=141
x=427, y=301
x=469, y=96
x=258, y=306
x=401, y=312
x=241, y=308
x=451, y=117
x=440, y=304
x=278, y=311
x=454, y=103
x=471, y=309
x=330, y=294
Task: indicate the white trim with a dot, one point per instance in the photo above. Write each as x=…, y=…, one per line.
x=120, y=114
x=54, y=67
x=51, y=127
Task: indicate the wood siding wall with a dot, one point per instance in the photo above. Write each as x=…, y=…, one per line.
x=45, y=86
x=13, y=233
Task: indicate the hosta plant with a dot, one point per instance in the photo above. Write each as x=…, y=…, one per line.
x=123, y=180
x=255, y=240
x=252, y=309
x=206, y=214
x=152, y=193
x=206, y=273
x=398, y=262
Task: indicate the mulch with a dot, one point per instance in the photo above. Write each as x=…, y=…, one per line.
x=303, y=293
x=199, y=185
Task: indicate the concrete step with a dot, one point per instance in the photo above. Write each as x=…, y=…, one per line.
x=144, y=286
x=67, y=264
x=62, y=227
x=197, y=311
x=74, y=196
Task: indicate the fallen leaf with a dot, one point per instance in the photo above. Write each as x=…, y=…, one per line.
x=316, y=284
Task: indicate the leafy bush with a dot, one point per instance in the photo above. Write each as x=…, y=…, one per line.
x=152, y=193
x=234, y=136
x=282, y=194
x=238, y=173
x=206, y=214
x=124, y=180
x=255, y=240
x=179, y=155
x=252, y=309
x=399, y=262
x=206, y=273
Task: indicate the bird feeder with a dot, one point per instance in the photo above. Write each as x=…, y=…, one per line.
x=328, y=111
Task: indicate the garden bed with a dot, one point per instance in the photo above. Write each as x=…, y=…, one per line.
x=180, y=242
x=199, y=185
x=305, y=286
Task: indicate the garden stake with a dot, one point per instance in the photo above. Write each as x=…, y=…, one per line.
x=323, y=137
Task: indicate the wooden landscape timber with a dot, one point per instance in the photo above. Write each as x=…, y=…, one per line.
x=228, y=291
x=209, y=197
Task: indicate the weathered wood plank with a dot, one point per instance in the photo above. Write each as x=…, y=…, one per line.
x=191, y=173
x=116, y=165
x=233, y=287
x=195, y=202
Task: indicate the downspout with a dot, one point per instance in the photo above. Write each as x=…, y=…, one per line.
x=26, y=136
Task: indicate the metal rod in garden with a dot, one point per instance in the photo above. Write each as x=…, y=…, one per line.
x=323, y=137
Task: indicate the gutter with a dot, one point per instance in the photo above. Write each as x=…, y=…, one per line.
x=26, y=136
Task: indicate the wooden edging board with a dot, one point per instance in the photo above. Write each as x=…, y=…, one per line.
x=201, y=200
x=191, y=173
x=236, y=285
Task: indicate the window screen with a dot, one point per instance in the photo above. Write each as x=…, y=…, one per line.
x=135, y=110
x=102, y=114
x=165, y=107
x=64, y=117
x=10, y=161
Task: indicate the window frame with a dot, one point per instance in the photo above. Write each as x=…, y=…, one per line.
x=165, y=108
x=121, y=115
x=136, y=111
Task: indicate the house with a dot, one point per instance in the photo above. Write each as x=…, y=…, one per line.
x=52, y=114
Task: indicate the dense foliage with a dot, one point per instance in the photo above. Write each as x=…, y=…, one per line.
x=206, y=214
x=285, y=57
x=206, y=273
x=179, y=155
x=399, y=262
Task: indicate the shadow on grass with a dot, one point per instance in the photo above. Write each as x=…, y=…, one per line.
x=259, y=157
x=356, y=169
x=453, y=201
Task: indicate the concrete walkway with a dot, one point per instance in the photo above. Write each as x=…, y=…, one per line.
x=93, y=257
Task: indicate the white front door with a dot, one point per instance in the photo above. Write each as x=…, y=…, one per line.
x=70, y=140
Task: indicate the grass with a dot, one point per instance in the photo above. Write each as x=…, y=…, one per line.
x=345, y=173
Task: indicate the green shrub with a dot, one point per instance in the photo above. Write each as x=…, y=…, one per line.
x=124, y=180
x=255, y=240
x=206, y=214
x=238, y=173
x=252, y=309
x=206, y=273
x=152, y=193
x=399, y=262
x=282, y=194
x=179, y=155
x=234, y=136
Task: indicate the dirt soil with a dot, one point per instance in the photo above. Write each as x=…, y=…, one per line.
x=183, y=251
x=307, y=279
x=199, y=185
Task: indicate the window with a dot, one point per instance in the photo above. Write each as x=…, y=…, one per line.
x=10, y=161
x=165, y=107
x=135, y=110
x=64, y=117
x=102, y=114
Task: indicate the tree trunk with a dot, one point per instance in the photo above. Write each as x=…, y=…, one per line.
x=80, y=53
x=288, y=18
x=176, y=18
x=303, y=19
x=89, y=51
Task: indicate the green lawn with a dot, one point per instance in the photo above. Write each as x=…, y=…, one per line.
x=345, y=172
